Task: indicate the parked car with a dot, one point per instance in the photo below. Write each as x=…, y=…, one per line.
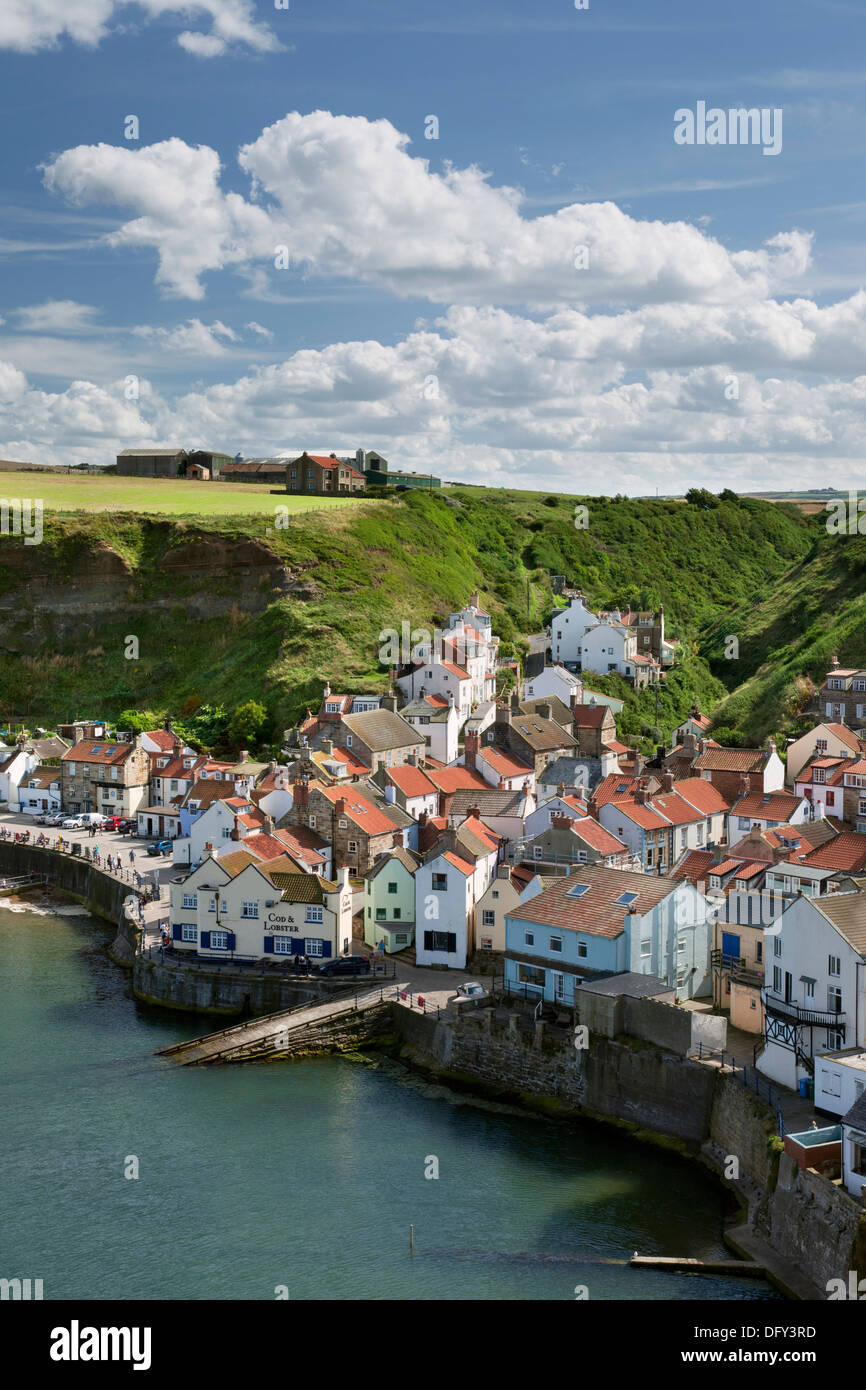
x=469, y=993
x=55, y=818
x=346, y=965
x=125, y=827
x=159, y=847
x=45, y=817
x=111, y=822
x=72, y=823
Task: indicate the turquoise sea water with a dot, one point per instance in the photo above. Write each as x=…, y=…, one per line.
x=305, y=1175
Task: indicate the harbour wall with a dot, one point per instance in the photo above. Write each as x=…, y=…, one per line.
x=100, y=892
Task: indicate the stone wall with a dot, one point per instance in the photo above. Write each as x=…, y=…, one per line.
x=99, y=891
x=218, y=990
x=666, y=1025
x=813, y=1223
x=742, y=1125
x=625, y=1080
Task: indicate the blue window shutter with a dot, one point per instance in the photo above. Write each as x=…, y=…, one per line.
x=205, y=940
x=176, y=932
x=269, y=945
x=297, y=945
x=231, y=940
x=326, y=948
x=730, y=944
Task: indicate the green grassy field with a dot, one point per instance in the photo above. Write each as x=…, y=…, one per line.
x=90, y=492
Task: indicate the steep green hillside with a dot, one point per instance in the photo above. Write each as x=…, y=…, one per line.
x=787, y=639
x=229, y=609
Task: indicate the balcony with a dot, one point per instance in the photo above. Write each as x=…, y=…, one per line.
x=735, y=966
x=788, y=1009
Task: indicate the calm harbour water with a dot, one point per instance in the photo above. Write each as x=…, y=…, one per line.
x=306, y=1174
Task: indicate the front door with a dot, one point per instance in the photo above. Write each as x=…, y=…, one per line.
x=789, y=986
x=558, y=985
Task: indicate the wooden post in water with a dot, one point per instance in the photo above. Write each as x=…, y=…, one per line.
x=411, y=1239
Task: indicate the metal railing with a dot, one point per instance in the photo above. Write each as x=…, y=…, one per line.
x=749, y=1076
x=786, y=1008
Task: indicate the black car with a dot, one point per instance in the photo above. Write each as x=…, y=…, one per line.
x=346, y=965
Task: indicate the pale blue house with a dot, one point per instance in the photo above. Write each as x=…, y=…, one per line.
x=602, y=921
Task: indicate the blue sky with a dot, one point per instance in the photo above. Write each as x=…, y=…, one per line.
x=432, y=308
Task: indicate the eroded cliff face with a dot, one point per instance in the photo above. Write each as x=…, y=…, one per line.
x=208, y=575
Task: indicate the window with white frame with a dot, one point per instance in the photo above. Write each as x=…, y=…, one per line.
x=190, y=900
x=834, y=999
x=777, y=945
x=556, y=943
x=314, y=913
x=353, y=847
x=529, y=938
x=313, y=947
x=188, y=932
x=219, y=940
x=249, y=909
x=282, y=945
x=488, y=919
x=834, y=965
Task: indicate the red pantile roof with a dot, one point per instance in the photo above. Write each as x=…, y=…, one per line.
x=505, y=763
x=777, y=806
x=412, y=781
x=596, y=911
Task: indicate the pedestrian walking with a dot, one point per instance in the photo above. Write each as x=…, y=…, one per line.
x=132, y=856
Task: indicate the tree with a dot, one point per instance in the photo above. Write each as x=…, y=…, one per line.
x=248, y=723
x=701, y=498
x=726, y=495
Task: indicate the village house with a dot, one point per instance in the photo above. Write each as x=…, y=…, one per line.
x=571, y=840
x=499, y=767
x=514, y=884
x=40, y=790
x=854, y=1149
x=452, y=876
x=697, y=724
x=324, y=476
x=259, y=913
x=815, y=995
x=554, y=681
x=505, y=812
x=534, y=738
x=460, y=668
x=112, y=778
x=824, y=741
x=16, y=764
x=841, y=697
x=389, y=901
x=602, y=921
x=437, y=721
x=567, y=803
x=629, y=643
x=410, y=788
x=594, y=729
x=378, y=737
x=357, y=829
x=764, y=809
x=840, y=1080
x=726, y=767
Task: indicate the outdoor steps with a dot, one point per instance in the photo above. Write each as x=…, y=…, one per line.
x=258, y=1038
x=404, y=957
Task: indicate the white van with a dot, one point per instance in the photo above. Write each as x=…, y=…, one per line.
x=91, y=818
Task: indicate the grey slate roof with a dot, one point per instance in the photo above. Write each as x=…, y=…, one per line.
x=490, y=803
x=572, y=772
x=381, y=729
x=856, y=1116
x=406, y=857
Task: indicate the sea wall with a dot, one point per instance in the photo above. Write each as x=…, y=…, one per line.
x=814, y=1224
x=99, y=891
x=625, y=1079
x=219, y=990
x=802, y=1216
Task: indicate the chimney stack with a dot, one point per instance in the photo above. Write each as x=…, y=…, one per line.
x=470, y=747
x=667, y=781
x=543, y=711
x=389, y=702
x=302, y=794
x=268, y=825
